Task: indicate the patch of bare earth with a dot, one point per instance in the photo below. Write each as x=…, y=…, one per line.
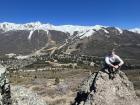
x=62, y=93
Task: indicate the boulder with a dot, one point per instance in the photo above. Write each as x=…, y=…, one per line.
x=98, y=89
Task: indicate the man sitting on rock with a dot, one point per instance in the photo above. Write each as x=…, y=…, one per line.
x=113, y=62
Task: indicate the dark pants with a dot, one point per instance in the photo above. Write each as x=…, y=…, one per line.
x=111, y=69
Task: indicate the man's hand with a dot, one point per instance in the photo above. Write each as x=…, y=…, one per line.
x=116, y=67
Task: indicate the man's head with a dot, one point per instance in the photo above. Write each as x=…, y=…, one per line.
x=111, y=52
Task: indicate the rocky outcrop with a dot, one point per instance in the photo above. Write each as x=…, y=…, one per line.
x=23, y=96
x=98, y=89
x=5, y=97
x=17, y=95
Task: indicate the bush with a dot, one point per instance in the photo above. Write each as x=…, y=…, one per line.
x=57, y=80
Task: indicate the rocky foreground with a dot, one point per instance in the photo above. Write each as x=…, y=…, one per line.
x=98, y=89
x=23, y=96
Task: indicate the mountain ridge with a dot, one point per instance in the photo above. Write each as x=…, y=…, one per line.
x=7, y=26
x=38, y=24
x=85, y=40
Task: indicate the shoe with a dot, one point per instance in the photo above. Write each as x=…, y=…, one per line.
x=111, y=76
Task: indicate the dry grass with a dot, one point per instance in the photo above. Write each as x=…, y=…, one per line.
x=54, y=93
x=59, y=102
x=57, y=94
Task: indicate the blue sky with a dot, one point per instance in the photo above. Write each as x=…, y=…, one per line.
x=121, y=13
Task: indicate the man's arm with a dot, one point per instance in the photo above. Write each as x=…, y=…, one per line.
x=121, y=61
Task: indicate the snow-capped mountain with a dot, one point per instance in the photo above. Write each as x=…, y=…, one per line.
x=6, y=26
x=90, y=40
x=38, y=25
x=85, y=30
x=136, y=30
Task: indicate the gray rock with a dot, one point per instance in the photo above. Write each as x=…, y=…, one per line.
x=23, y=96
x=5, y=92
x=98, y=89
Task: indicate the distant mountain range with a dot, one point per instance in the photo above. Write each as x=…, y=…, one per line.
x=88, y=40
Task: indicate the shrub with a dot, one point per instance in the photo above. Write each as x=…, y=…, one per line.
x=57, y=80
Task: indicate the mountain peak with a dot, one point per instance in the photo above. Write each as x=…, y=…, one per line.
x=6, y=26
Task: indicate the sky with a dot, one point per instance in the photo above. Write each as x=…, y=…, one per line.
x=119, y=13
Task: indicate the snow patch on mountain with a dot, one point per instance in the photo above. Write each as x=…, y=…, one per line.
x=105, y=31
x=120, y=30
x=30, y=35
x=87, y=34
x=73, y=28
x=22, y=57
x=136, y=30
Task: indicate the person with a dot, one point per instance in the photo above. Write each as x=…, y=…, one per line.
x=113, y=62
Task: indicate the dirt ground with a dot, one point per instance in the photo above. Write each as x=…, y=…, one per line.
x=56, y=92
x=58, y=89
